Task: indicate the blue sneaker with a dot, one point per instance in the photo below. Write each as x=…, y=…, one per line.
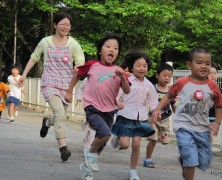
x=149, y=164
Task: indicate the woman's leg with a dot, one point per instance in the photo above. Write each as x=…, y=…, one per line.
x=59, y=121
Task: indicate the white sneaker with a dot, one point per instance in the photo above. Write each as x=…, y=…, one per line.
x=114, y=141
x=91, y=160
x=11, y=119
x=133, y=175
x=86, y=172
x=16, y=113
x=85, y=151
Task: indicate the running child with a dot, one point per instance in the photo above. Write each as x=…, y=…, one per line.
x=196, y=95
x=132, y=121
x=4, y=92
x=15, y=91
x=104, y=80
x=162, y=127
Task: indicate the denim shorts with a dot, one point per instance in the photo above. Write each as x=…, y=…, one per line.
x=13, y=100
x=101, y=122
x=131, y=128
x=195, y=148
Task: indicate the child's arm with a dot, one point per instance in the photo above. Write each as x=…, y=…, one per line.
x=73, y=82
x=157, y=112
x=216, y=124
x=125, y=84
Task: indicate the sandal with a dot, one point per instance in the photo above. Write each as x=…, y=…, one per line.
x=148, y=164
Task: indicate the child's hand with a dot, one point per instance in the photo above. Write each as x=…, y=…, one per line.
x=68, y=97
x=119, y=72
x=156, y=116
x=214, y=128
x=120, y=105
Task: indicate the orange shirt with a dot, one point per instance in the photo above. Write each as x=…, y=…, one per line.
x=3, y=90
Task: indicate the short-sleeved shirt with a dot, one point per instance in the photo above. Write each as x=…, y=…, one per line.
x=102, y=85
x=166, y=112
x=58, y=65
x=192, y=113
x=3, y=90
x=142, y=95
x=15, y=89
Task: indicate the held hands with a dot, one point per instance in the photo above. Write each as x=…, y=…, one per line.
x=119, y=105
x=22, y=80
x=156, y=116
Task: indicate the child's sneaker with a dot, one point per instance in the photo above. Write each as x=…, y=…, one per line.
x=86, y=172
x=65, y=153
x=91, y=160
x=85, y=151
x=11, y=119
x=148, y=163
x=133, y=175
x=114, y=141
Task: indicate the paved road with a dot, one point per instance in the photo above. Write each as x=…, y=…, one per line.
x=26, y=156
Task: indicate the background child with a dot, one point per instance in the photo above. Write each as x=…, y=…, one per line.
x=90, y=134
x=213, y=76
x=162, y=127
x=101, y=88
x=132, y=120
x=196, y=95
x=15, y=91
x=4, y=92
x=60, y=51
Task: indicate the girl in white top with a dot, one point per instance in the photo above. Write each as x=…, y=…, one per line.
x=132, y=120
x=15, y=87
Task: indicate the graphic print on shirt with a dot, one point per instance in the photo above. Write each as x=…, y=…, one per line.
x=195, y=105
x=105, y=75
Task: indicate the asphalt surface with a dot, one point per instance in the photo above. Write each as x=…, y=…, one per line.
x=26, y=156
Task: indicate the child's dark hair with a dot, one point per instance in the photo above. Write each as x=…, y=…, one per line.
x=164, y=66
x=196, y=50
x=123, y=65
x=16, y=66
x=108, y=35
x=60, y=16
x=214, y=65
x=133, y=55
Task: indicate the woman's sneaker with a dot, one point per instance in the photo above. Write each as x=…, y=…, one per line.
x=133, y=175
x=45, y=128
x=86, y=172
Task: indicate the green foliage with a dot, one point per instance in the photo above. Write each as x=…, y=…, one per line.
x=166, y=30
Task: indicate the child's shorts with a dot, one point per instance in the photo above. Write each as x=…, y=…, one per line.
x=162, y=132
x=13, y=100
x=101, y=122
x=131, y=128
x=195, y=148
